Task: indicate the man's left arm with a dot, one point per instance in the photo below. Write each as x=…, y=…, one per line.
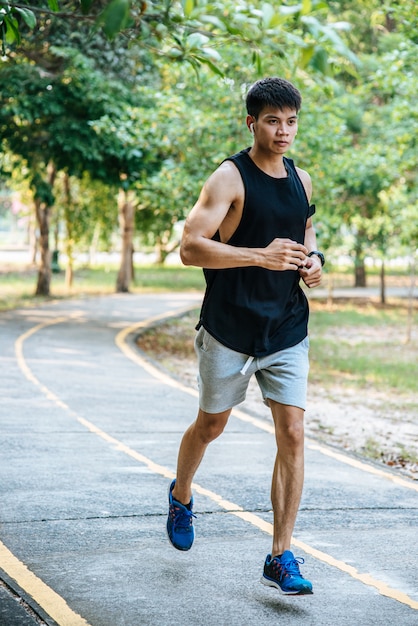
x=311, y=273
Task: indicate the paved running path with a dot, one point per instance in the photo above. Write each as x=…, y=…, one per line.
x=88, y=444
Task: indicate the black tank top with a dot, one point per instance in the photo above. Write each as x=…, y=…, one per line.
x=251, y=309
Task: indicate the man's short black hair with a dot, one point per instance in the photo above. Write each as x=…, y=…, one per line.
x=273, y=92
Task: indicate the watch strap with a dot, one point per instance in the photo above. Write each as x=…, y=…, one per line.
x=318, y=254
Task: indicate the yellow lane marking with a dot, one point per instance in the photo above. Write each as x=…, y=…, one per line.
x=22, y=363
x=122, y=447
x=366, y=579
x=363, y=466
x=132, y=354
x=253, y=519
x=51, y=602
x=228, y=506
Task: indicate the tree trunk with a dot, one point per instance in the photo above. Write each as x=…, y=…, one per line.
x=132, y=265
x=159, y=254
x=360, y=274
x=43, y=286
x=94, y=244
x=411, y=303
x=163, y=248
x=359, y=267
x=43, y=214
x=126, y=220
x=33, y=239
x=330, y=291
x=382, y=283
x=69, y=245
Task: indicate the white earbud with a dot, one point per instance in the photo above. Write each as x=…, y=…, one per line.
x=252, y=129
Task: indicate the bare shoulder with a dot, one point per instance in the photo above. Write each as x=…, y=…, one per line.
x=306, y=181
x=226, y=174
x=223, y=188
x=221, y=193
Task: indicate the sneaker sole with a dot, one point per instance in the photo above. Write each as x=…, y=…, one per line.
x=273, y=583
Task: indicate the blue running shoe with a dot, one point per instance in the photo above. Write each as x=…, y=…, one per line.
x=180, y=522
x=283, y=574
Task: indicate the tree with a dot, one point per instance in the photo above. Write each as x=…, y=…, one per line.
x=81, y=88
x=85, y=216
x=67, y=123
x=196, y=129
x=361, y=144
x=52, y=95
x=191, y=31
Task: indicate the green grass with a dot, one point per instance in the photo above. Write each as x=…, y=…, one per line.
x=18, y=285
x=363, y=345
x=353, y=314
x=363, y=365
x=356, y=345
x=360, y=344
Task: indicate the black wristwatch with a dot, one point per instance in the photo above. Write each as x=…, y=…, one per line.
x=318, y=254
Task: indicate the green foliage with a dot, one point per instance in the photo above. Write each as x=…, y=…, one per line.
x=114, y=17
x=79, y=120
x=10, y=19
x=91, y=216
x=42, y=190
x=195, y=32
x=190, y=147
x=128, y=111
x=360, y=147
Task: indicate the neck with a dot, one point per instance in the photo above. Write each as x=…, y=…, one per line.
x=273, y=165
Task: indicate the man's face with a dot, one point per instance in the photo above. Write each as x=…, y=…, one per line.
x=275, y=129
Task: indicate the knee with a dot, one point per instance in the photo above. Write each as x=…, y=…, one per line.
x=292, y=435
x=209, y=426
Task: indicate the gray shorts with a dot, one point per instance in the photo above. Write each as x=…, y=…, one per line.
x=224, y=374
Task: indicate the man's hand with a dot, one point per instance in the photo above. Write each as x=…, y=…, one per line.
x=311, y=273
x=285, y=254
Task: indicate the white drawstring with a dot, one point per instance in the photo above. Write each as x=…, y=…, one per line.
x=247, y=365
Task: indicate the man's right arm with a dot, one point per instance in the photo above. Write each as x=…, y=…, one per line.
x=223, y=189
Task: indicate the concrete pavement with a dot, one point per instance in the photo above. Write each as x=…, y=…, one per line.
x=89, y=438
